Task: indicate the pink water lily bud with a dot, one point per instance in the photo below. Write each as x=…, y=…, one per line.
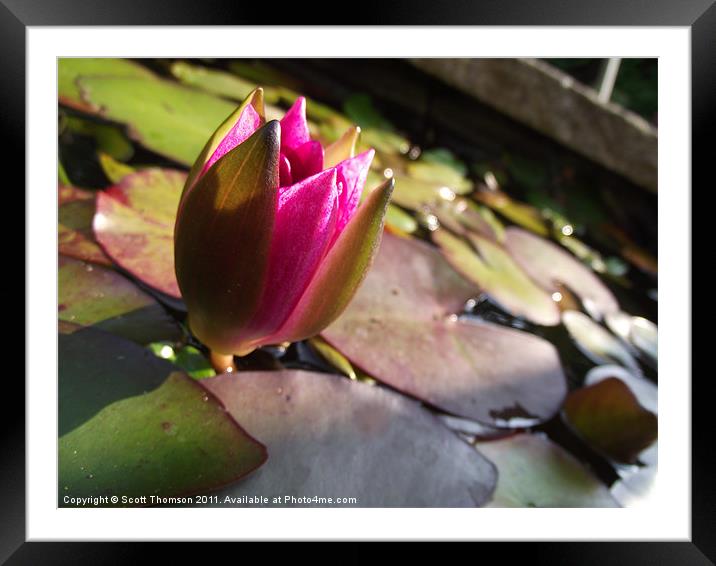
x=270, y=244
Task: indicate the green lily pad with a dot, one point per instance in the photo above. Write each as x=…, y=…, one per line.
x=113, y=169
x=401, y=328
x=74, y=226
x=109, y=138
x=188, y=358
x=550, y=265
x=134, y=223
x=213, y=81
x=96, y=368
x=131, y=425
x=535, y=472
x=523, y=214
x=489, y=266
x=69, y=69
x=329, y=436
x=445, y=157
x=172, y=442
x=92, y=295
x=440, y=174
x=170, y=119
x=608, y=416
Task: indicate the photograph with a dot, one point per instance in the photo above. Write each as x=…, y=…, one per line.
x=372, y=282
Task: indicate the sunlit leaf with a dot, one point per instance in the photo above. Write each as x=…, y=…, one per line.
x=401, y=329
x=548, y=265
x=134, y=223
x=535, y=472
x=74, y=226
x=489, y=266
x=596, y=342
x=170, y=119
x=69, y=69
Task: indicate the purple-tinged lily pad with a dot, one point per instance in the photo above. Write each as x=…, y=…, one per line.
x=401, y=329
x=608, y=416
x=134, y=223
x=130, y=425
x=535, y=472
x=329, y=436
x=92, y=295
x=549, y=265
x=493, y=269
x=74, y=225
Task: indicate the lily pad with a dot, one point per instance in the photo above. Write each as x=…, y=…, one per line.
x=69, y=69
x=134, y=224
x=439, y=173
x=535, y=472
x=92, y=295
x=175, y=441
x=74, y=226
x=96, y=368
x=329, y=436
x=401, y=328
x=608, y=416
x=488, y=265
x=549, y=265
x=519, y=213
x=596, y=342
x=645, y=391
x=214, y=81
x=132, y=425
x=170, y=119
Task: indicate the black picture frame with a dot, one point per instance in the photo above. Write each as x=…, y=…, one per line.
x=699, y=15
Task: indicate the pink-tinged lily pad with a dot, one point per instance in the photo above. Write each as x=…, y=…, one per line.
x=401, y=329
x=535, y=472
x=92, y=295
x=74, y=225
x=491, y=267
x=609, y=417
x=134, y=223
x=550, y=265
x=329, y=436
x=131, y=425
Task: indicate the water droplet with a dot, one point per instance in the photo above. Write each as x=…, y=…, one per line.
x=446, y=193
x=556, y=296
x=205, y=398
x=388, y=173
x=166, y=352
x=279, y=390
x=90, y=476
x=88, y=267
x=567, y=230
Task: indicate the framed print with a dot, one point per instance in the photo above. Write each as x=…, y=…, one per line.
x=359, y=282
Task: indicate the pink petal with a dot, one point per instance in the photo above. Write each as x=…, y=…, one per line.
x=247, y=124
x=294, y=128
x=305, y=223
x=284, y=172
x=306, y=160
x=352, y=174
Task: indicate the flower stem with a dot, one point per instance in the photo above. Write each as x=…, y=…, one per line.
x=222, y=363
